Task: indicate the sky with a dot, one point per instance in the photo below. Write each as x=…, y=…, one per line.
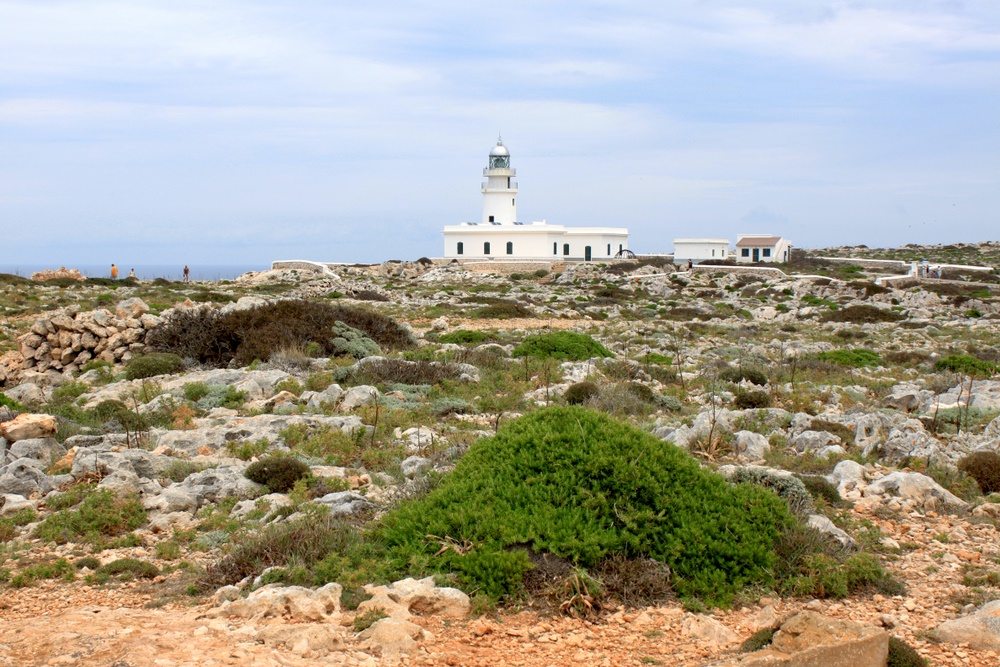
x=234, y=132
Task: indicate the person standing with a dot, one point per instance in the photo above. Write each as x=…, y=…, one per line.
x=187, y=273
x=131, y=273
x=114, y=272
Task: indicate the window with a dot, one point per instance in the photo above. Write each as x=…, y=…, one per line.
x=491, y=219
x=609, y=250
x=461, y=248
x=745, y=252
x=486, y=248
x=510, y=247
x=555, y=248
x=620, y=247
x=512, y=199
x=713, y=252
x=565, y=248
x=767, y=252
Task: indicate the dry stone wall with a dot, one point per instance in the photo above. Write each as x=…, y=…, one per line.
x=69, y=338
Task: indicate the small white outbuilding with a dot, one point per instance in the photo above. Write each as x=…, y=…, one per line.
x=753, y=248
x=500, y=236
x=700, y=250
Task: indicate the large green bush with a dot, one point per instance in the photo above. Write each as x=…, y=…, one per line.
x=963, y=363
x=580, y=485
x=564, y=345
x=216, y=338
x=277, y=473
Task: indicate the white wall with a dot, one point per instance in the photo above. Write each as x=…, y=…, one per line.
x=699, y=250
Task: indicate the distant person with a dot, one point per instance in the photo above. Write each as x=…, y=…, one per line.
x=131, y=273
x=187, y=273
x=114, y=272
x=690, y=264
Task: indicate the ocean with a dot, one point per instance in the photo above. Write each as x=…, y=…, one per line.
x=145, y=272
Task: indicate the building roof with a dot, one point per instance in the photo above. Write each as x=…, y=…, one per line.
x=499, y=150
x=757, y=241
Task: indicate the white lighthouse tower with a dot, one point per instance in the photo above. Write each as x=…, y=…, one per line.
x=499, y=191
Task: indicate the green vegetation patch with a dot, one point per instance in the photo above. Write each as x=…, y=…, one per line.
x=582, y=486
x=463, y=337
x=857, y=358
x=563, y=345
x=149, y=365
x=101, y=514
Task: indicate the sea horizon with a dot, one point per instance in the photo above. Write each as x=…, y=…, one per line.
x=213, y=272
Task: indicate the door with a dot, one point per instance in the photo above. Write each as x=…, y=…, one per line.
x=586, y=254
x=756, y=254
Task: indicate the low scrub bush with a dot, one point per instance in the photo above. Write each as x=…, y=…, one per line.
x=580, y=392
x=149, y=365
x=277, y=473
x=752, y=399
x=857, y=358
x=350, y=342
x=791, y=489
x=503, y=310
x=967, y=365
x=758, y=640
x=843, y=431
x=216, y=338
x=464, y=337
x=863, y=314
x=984, y=467
x=562, y=345
x=401, y=371
x=737, y=375
x=100, y=514
x=56, y=569
x=582, y=486
x=369, y=295
x=129, y=568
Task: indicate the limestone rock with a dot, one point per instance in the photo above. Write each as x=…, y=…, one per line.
x=809, y=639
x=26, y=426
x=917, y=487
x=44, y=450
x=25, y=477
x=296, y=602
x=344, y=503
x=393, y=637
x=416, y=596
x=11, y=503
x=709, y=630
x=415, y=465
x=358, y=396
x=827, y=528
x=752, y=446
x=981, y=630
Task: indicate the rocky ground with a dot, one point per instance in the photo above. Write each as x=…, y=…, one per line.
x=887, y=432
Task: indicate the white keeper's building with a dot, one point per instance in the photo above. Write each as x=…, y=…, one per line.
x=500, y=236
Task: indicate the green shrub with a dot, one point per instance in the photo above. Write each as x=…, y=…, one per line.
x=178, y=470
x=749, y=400
x=857, y=358
x=101, y=514
x=155, y=363
x=216, y=338
x=57, y=569
x=791, y=489
x=819, y=487
x=401, y=371
x=843, y=431
x=7, y=402
x=563, y=345
x=758, y=640
x=88, y=562
x=277, y=473
x=346, y=341
x=247, y=449
x=962, y=363
x=863, y=314
x=129, y=568
x=442, y=407
x=582, y=486
x=369, y=295
x=222, y=396
x=984, y=467
x=580, y=392
x=902, y=654
x=463, y=337
x=540, y=273
x=503, y=310
x=195, y=391
x=737, y=375
x=824, y=576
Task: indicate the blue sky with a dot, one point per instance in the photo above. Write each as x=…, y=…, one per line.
x=240, y=132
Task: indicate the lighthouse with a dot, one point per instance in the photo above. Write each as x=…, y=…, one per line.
x=501, y=237
x=499, y=191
